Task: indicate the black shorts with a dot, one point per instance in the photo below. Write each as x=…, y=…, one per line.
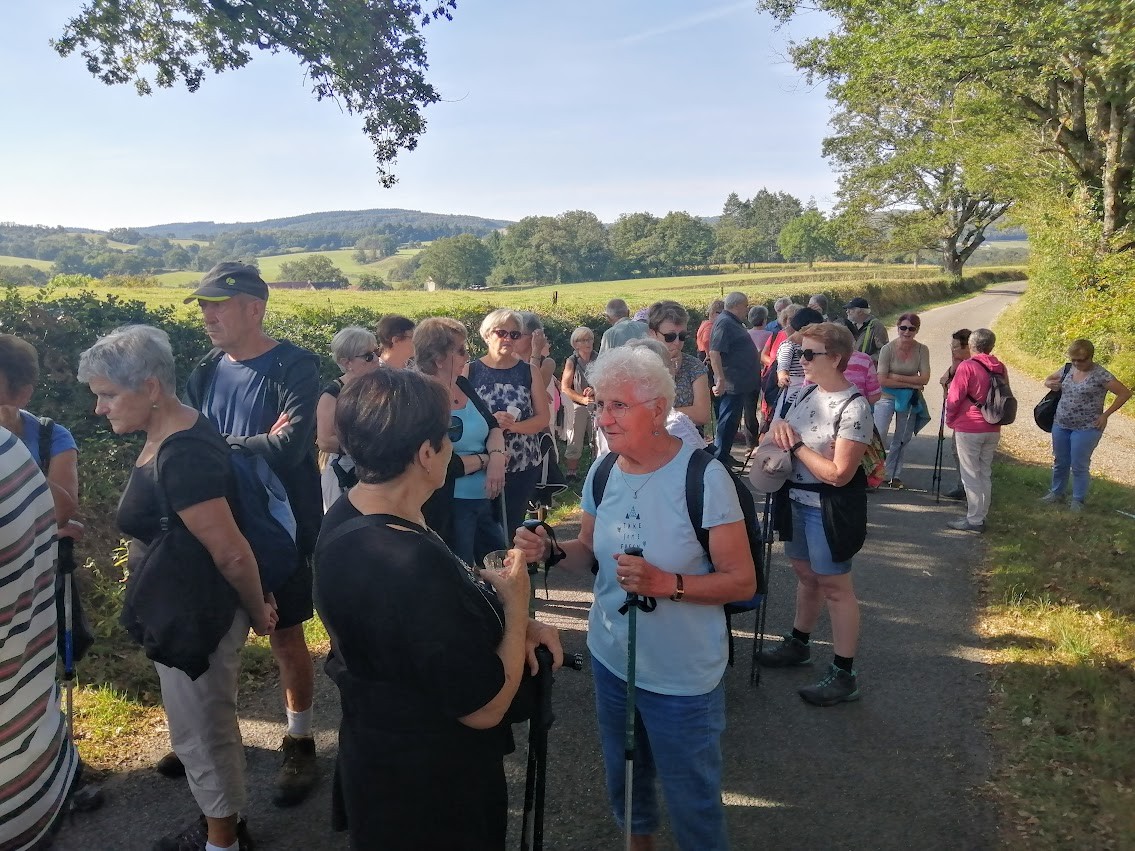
x=293, y=598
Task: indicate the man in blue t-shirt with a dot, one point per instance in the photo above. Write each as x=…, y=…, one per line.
x=261, y=393
x=737, y=370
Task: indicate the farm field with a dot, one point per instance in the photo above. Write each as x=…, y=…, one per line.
x=270, y=265
x=695, y=291
x=6, y=260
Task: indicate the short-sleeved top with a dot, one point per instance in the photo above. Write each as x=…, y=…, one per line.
x=682, y=647
x=61, y=438
x=861, y=372
x=689, y=370
x=1081, y=402
x=405, y=614
x=474, y=433
x=813, y=415
x=621, y=333
x=191, y=471
x=760, y=336
x=740, y=362
x=788, y=360
x=705, y=331
x=892, y=360
x=500, y=388
x=237, y=398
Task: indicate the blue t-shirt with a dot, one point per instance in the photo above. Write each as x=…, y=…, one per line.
x=682, y=647
x=61, y=439
x=476, y=432
x=236, y=401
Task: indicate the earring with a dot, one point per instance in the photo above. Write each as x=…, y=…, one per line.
x=154, y=406
x=656, y=432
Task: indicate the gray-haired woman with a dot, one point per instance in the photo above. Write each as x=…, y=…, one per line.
x=184, y=466
x=356, y=353
x=577, y=394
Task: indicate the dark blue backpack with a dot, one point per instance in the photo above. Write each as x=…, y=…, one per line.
x=265, y=517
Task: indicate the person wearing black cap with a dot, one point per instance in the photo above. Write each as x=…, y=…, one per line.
x=870, y=333
x=261, y=394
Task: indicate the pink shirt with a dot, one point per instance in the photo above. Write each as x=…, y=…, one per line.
x=971, y=382
x=861, y=372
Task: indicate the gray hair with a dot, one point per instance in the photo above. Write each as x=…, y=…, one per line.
x=982, y=340
x=530, y=322
x=821, y=302
x=128, y=355
x=636, y=367
x=618, y=308
x=498, y=319
x=351, y=342
x=654, y=345
x=734, y=299
x=758, y=315
x=780, y=304
x=582, y=333
x=787, y=312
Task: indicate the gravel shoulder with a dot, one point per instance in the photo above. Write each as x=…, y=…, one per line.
x=900, y=768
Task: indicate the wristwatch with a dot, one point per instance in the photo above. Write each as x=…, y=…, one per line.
x=680, y=591
x=795, y=447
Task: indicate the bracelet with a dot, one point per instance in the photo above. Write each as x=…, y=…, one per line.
x=681, y=590
x=484, y=459
x=795, y=446
x=498, y=451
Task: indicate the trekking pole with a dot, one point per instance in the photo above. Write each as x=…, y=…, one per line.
x=762, y=609
x=66, y=565
x=630, y=608
x=936, y=480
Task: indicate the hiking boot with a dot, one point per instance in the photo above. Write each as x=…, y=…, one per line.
x=957, y=493
x=170, y=766
x=1075, y=506
x=791, y=653
x=1052, y=497
x=964, y=525
x=837, y=687
x=297, y=773
x=195, y=835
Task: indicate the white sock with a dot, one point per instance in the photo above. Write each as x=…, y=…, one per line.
x=299, y=723
x=209, y=846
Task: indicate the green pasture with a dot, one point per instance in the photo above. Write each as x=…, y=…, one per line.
x=6, y=260
x=270, y=265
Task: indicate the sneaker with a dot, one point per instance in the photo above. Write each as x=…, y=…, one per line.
x=297, y=773
x=791, y=653
x=838, y=686
x=170, y=766
x=896, y=484
x=1051, y=497
x=195, y=835
x=964, y=525
x=1075, y=506
x=956, y=493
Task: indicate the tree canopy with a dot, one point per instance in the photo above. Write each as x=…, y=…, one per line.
x=314, y=269
x=366, y=55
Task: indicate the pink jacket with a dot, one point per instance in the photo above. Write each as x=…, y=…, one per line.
x=971, y=382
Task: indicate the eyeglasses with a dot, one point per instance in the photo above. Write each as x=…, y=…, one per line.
x=456, y=429
x=368, y=356
x=908, y=327
x=616, y=409
x=505, y=334
x=671, y=336
x=810, y=354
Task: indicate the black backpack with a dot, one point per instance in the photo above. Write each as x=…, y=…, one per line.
x=695, y=475
x=1000, y=405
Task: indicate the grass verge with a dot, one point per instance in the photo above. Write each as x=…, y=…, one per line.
x=1059, y=628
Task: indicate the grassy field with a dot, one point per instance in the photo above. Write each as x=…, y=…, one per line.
x=270, y=265
x=6, y=260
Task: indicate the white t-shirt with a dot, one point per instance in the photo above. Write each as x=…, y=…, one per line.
x=682, y=647
x=813, y=415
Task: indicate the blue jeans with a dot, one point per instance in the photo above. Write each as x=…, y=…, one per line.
x=1072, y=450
x=476, y=530
x=904, y=431
x=677, y=741
x=729, y=410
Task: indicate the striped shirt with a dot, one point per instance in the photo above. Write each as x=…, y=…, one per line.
x=37, y=760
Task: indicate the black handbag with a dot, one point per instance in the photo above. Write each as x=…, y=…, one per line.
x=1045, y=411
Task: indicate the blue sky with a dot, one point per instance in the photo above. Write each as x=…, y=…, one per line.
x=611, y=106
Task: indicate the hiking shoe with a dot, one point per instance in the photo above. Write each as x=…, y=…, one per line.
x=297, y=773
x=964, y=525
x=792, y=652
x=1075, y=506
x=837, y=687
x=896, y=484
x=1051, y=497
x=195, y=835
x=956, y=493
x=170, y=766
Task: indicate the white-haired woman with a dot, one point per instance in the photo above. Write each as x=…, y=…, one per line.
x=183, y=476
x=514, y=391
x=575, y=387
x=356, y=353
x=682, y=645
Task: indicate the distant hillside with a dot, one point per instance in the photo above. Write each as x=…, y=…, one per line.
x=347, y=222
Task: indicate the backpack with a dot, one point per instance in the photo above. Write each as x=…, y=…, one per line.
x=695, y=475
x=1000, y=405
x=265, y=517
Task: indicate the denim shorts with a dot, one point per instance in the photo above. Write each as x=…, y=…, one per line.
x=809, y=542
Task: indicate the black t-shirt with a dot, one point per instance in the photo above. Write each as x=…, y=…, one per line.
x=410, y=621
x=193, y=467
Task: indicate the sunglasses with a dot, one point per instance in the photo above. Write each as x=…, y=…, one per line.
x=505, y=334
x=908, y=327
x=671, y=336
x=810, y=354
x=455, y=430
x=368, y=356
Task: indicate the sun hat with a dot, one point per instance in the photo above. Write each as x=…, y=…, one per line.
x=770, y=468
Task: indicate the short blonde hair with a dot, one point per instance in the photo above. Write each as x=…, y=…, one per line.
x=498, y=319
x=582, y=333
x=433, y=338
x=836, y=338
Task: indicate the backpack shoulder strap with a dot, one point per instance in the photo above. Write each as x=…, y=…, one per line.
x=695, y=494
x=602, y=474
x=464, y=385
x=353, y=525
x=843, y=407
x=46, y=433
x=987, y=369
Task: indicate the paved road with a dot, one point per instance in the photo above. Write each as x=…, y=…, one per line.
x=896, y=770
